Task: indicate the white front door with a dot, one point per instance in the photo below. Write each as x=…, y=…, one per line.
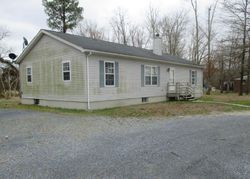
x=172, y=79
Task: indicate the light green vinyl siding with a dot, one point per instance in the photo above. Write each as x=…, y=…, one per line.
x=46, y=60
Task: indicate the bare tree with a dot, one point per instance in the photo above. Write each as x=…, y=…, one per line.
x=248, y=68
x=196, y=57
x=211, y=13
x=198, y=45
x=202, y=47
x=152, y=24
x=91, y=29
x=238, y=15
x=138, y=36
x=152, y=21
x=172, y=30
x=120, y=26
x=3, y=33
x=9, y=72
x=227, y=55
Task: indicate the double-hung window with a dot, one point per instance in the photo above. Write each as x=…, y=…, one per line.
x=109, y=73
x=66, y=71
x=151, y=75
x=193, y=77
x=29, y=74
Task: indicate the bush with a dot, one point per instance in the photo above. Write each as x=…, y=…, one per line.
x=9, y=94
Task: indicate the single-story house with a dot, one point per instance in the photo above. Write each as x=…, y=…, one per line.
x=70, y=71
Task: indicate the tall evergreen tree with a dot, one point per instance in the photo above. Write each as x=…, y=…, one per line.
x=63, y=14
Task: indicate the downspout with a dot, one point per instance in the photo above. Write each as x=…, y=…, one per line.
x=87, y=70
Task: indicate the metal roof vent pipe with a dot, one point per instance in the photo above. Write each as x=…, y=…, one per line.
x=157, y=45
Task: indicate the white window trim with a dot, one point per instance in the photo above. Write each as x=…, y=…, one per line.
x=108, y=73
x=67, y=61
x=151, y=67
x=30, y=74
x=195, y=79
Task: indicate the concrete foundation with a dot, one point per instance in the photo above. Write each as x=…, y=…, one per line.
x=93, y=104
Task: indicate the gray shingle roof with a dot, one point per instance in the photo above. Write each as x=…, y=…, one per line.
x=105, y=46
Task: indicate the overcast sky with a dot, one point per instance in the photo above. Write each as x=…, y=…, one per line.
x=24, y=18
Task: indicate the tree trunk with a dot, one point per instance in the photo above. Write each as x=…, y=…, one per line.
x=242, y=68
x=221, y=74
x=9, y=85
x=64, y=18
x=196, y=55
x=3, y=85
x=209, y=52
x=244, y=49
x=248, y=70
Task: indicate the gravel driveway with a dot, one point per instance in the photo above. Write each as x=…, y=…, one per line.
x=45, y=145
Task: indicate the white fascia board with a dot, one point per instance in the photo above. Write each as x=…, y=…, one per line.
x=29, y=47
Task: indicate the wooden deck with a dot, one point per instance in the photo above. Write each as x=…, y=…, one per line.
x=180, y=90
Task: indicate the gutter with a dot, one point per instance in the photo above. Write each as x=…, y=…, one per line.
x=88, y=54
x=144, y=58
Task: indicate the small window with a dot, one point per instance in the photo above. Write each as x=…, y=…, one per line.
x=144, y=99
x=151, y=75
x=36, y=101
x=193, y=77
x=66, y=71
x=109, y=73
x=29, y=74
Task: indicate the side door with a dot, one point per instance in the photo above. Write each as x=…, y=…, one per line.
x=171, y=81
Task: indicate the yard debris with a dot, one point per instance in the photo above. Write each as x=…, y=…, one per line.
x=175, y=154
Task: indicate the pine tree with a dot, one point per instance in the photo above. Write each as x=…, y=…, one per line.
x=62, y=14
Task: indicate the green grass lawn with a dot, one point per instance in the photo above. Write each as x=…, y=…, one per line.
x=171, y=108
x=233, y=98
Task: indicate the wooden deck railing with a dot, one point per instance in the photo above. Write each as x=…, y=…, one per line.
x=180, y=90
